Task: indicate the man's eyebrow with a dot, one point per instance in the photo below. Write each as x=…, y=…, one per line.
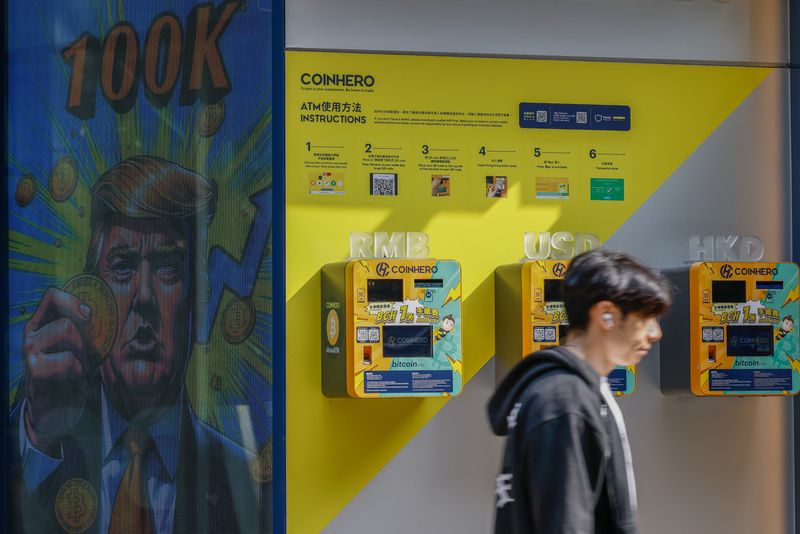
x=169, y=248
x=122, y=250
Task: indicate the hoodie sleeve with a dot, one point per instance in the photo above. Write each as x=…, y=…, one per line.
x=563, y=465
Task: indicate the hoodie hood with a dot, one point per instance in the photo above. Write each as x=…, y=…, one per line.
x=529, y=369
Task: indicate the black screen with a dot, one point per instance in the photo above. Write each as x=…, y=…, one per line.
x=769, y=284
x=388, y=290
x=429, y=282
x=552, y=290
x=412, y=341
x=730, y=291
x=750, y=340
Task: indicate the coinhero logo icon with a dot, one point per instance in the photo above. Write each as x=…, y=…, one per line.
x=559, y=269
x=726, y=271
x=382, y=269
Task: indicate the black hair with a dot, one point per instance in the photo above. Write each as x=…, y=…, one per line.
x=600, y=275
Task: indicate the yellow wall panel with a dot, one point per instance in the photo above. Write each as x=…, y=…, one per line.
x=335, y=446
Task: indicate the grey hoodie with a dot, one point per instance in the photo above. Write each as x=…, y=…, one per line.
x=564, y=466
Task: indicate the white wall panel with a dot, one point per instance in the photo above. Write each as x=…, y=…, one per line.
x=731, y=31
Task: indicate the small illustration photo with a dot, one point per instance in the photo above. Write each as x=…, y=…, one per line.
x=326, y=183
x=552, y=188
x=440, y=185
x=496, y=187
x=383, y=184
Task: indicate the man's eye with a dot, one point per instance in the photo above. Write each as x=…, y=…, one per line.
x=122, y=270
x=169, y=270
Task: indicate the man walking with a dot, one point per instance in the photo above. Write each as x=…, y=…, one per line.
x=567, y=465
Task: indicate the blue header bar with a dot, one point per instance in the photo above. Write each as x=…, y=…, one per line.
x=574, y=117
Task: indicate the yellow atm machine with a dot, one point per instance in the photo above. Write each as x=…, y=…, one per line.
x=732, y=330
x=530, y=316
x=391, y=328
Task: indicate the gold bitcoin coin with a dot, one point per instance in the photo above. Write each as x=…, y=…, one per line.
x=64, y=179
x=76, y=505
x=261, y=466
x=238, y=319
x=210, y=118
x=96, y=294
x=26, y=190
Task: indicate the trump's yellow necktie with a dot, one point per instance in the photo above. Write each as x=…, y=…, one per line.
x=131, y=512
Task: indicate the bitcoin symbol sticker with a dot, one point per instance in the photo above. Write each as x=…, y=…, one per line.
x=96, y=294
x=63, y=179
x=261, y=466
x=76, y=505
x=210, y=118
x=26, y=190
x=238, y=320
x=332, y=329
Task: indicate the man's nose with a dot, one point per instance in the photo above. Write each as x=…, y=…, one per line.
x=144, y=284
x=654, y=332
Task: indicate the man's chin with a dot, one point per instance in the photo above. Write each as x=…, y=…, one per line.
x=144, y=378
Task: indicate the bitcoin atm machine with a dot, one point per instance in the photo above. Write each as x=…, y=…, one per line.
x=732, y=330
x=530, y=316
x=391, y=328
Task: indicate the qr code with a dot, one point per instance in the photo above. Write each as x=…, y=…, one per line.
x=581, y=117
x=550, y=333
x=382, y=184
x=362, y=334
x=374, y=335
x=541, y=116
x=538, y=333
x=708, y=333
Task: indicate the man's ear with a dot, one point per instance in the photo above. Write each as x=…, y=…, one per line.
x=605, y=314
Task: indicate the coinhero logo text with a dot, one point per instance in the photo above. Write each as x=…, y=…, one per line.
x=337, y=80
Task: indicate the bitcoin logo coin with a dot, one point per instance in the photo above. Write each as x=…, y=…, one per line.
x=332, y=330
x=238, y=320
x=76, y=505
x=210, y=118
x=261, y=466
x=96, y=294
x=26, y=190
x=64, y=179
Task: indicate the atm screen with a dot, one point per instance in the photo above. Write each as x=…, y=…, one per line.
x=388, y=290
x=750, y=340
x=429, y=283
x=412, y=341
x=552, y=290
x=769, y=284
x=731, y=291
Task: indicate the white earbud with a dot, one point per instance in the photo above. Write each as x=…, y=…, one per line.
x=608, y=319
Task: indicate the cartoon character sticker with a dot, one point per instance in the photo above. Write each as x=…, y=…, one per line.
x=448, y=325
